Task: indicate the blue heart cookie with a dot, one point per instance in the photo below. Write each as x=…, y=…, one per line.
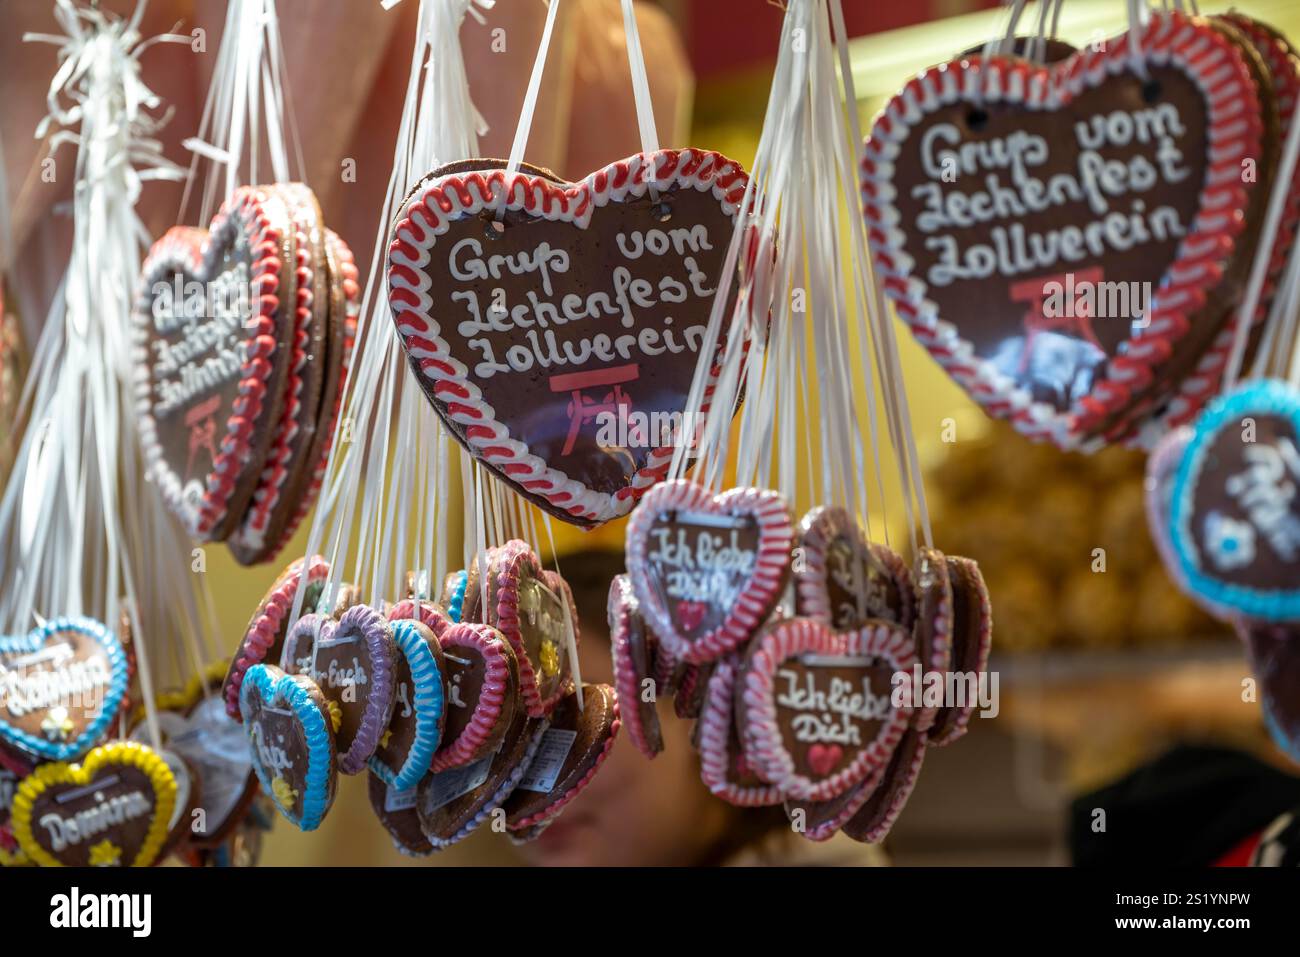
x=291, y=734
x=61, y=685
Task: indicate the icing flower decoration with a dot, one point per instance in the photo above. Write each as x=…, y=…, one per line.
x=336, y=715
x=388, y=736
x=57, y=725
x=550, y=658
x=105, y=854
x=285, y=794
x=1231, y=543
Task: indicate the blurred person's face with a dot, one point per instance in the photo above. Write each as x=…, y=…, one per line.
x=635, y=812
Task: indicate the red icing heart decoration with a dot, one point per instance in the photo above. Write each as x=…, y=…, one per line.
x=999, y=194
x=816, y=707
x=707, y=570
x=556, y=326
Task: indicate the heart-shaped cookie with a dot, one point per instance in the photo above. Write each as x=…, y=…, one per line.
x=482, y=693
x=875, y=818
x=1235, y=512
x=556, y=326
x=534, y=612
x=723, y=767
x=573, y=747
x=264, y=636
x=407, y=747
x=112, y=810
x=1052, y=233
x=934, y=625
x=632, y=652
x=291, y=736
x=61, y=685
x=816, y=707
x=707, y=570
x=352, y=661
x=972, y=640
x=395, y=810
x=846, y=579
x=215, y=746
x=213, y=319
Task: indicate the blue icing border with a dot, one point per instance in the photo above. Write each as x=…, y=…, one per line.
x=315, y=801
x=456, y=601
x=428, y=699
x=1268, y=397
x=34, y=640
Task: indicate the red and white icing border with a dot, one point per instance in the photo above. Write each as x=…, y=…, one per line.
x=444, y=199
x=347, y=267
x=1203, y=383
x=248, y=211
x=508, y=563
x=267, y=625
x=897, y=790
x=429, y=615
x=251, y=534
x=965, y=574
x=757, y=597
x=716, y=720
x=490, y=708
x=818, y=529
x=761, y=733
x=933, y=628
x=1233, y=129
x=622, y=609
x=552, y=810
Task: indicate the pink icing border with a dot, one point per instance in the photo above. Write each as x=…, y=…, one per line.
x=764, y=746
x=980, y=598
x=504, y=570
x=494, y=648
x=877, y=832
x=627, y=683
x=940, y=654
x=816, y=530
x=760, y=593
x=716, y=718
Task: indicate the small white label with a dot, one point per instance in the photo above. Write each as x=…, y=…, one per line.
x=555, y=747
x=399, y=800
x=446, y=786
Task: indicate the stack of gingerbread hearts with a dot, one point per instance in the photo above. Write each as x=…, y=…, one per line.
x=819, y=667
x=244, y=336
x=460, y=709
x=1072, y=235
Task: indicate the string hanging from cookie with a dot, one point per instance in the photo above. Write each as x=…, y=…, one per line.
x=81, y=530
x=808, y=339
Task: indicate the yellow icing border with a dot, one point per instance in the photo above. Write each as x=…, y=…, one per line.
x=183, y=700
x=127, y=753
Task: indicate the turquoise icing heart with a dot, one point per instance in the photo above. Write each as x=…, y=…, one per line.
x=1218, y=550
x=456, y=600
x=428, y=700
x=105, y=672
x=281, y=692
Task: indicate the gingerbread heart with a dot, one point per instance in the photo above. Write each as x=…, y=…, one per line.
x=61, y=685
x=816, y=707
x=212, y=319
x=395, y=810
x=875, y=818
x=972, y=640
x=534, y=612
x=353, y=662
x=573, y=747
x=482, y=693
x=407, y=747
x=632, y=652
x=291, y=736
x=264, y=636
x=1051, y=233
x=556, y=326
x=723, y=767
x=707, y=570
x=846, y=579
x=112, y=810
x=1235, y=514
x=933, y=631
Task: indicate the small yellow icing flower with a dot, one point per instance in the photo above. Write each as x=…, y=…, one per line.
x=388, y=736
x=336, y=716
x=57, y=725
x=105, y=854
x=550, y=655
x=284, y=793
